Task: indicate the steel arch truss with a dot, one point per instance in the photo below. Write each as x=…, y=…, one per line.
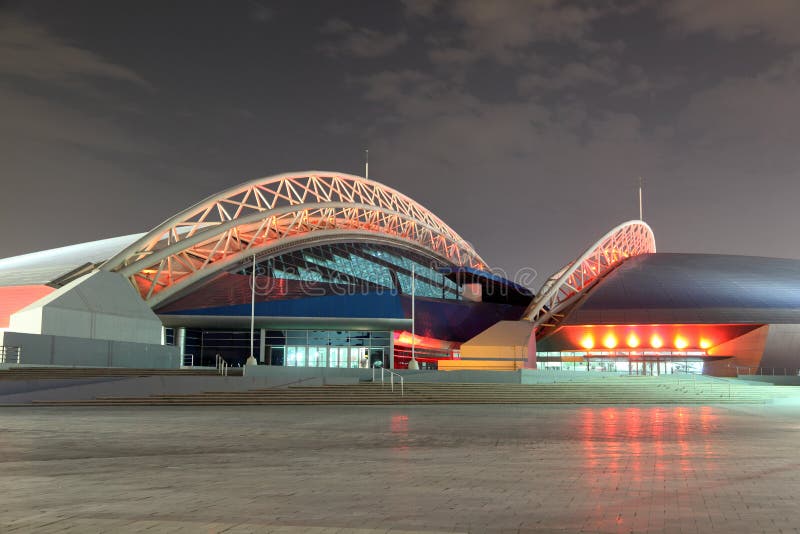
x=570, y=283
x=269, y=215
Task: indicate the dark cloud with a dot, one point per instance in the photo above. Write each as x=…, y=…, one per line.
x=359, y=42
x=28, y=51
x=775, y=20
x=570, y=75
x=49, y=93
x=261, y=12
x=420, y=8
x=524, y=124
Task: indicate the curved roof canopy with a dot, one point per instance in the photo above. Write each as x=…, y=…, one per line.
x=694, y=289
x=565, y=287
x=57, y=266
x=276, y=214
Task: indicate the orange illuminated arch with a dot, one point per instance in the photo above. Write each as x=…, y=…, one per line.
x=567, y=285
x=280, y=213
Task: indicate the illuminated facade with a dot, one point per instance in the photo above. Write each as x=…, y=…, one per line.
x=662, y=313
x=322, y=265
x=333, y=256
x=277, y=214
x=324, y=262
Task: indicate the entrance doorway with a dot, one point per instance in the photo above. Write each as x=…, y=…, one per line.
x=338, y=356
x=276, y=355
x=377, y=355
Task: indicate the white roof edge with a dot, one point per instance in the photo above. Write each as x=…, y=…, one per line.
x=43, y=266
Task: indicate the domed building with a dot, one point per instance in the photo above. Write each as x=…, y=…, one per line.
x=622, y=307
x=323, y=269
x=313, y=269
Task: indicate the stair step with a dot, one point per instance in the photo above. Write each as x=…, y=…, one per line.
x=606, y=390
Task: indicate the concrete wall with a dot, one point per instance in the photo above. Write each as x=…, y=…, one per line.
x=747, y=351
x=782, y=349
x=774, y=380
x=99, y=305
x=40, y=349
x=282, y=376
x=502, y=347
x=279, y=376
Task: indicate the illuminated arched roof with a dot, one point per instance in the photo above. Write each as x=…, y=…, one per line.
x=271, y=215
x=629, y=239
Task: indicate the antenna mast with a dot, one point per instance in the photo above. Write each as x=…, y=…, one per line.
x=366, y=164
x=641, y=218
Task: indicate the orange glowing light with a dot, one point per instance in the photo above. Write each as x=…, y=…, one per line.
x=681, y=342
x=656, y=342
x=705, y=343
x=632, y=340
x=587, y=341
x=610, y=341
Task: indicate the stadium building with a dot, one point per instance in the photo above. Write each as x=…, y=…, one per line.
x=321, y=263
x=622, y=307
x=320, y=269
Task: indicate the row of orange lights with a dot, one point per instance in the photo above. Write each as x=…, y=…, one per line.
x=610, y=341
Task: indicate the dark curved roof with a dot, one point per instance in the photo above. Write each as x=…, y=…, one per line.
x=694, y=288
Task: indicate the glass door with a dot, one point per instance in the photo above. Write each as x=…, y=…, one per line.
x=276, y=355
x=316, y=356
x=376, y=355
x=337, y=357
x=295, y=356
x=358, y=357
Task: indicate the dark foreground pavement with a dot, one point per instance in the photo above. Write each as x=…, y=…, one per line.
x=468, y=468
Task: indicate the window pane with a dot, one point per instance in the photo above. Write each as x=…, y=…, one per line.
x=296, y=356
x=316, y=356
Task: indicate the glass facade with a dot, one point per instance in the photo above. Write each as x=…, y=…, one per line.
x=327, y=348
x=292, y=348
x=361, y=266
x=232, y=345
x=624, y=362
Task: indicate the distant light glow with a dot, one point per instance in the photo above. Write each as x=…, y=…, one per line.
x=705, y=343
x=610, y=340
x=681, y=342
x=656, y=342
x=587, y=341
x=632, y=340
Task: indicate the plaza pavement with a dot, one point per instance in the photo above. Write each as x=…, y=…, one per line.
x=368, y=469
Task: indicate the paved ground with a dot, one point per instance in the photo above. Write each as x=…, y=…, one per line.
x=397, y=469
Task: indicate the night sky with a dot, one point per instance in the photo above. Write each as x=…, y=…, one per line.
x=523, y=124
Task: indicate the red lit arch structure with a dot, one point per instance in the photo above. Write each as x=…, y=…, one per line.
x=565, y=287
x=277, y=214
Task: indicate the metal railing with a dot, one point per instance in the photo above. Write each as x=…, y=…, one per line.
x=10, y=354
x=188, y=360
x=710, y=381
x=222, y=366
x=766, y=371
x=392, y=374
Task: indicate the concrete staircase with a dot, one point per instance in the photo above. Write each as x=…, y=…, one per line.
x=616, y=390
x=60, y=373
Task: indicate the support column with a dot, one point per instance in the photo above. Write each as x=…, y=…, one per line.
x=262, y=347
x=391, y=349
x=180, y=341
x=530, y=362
